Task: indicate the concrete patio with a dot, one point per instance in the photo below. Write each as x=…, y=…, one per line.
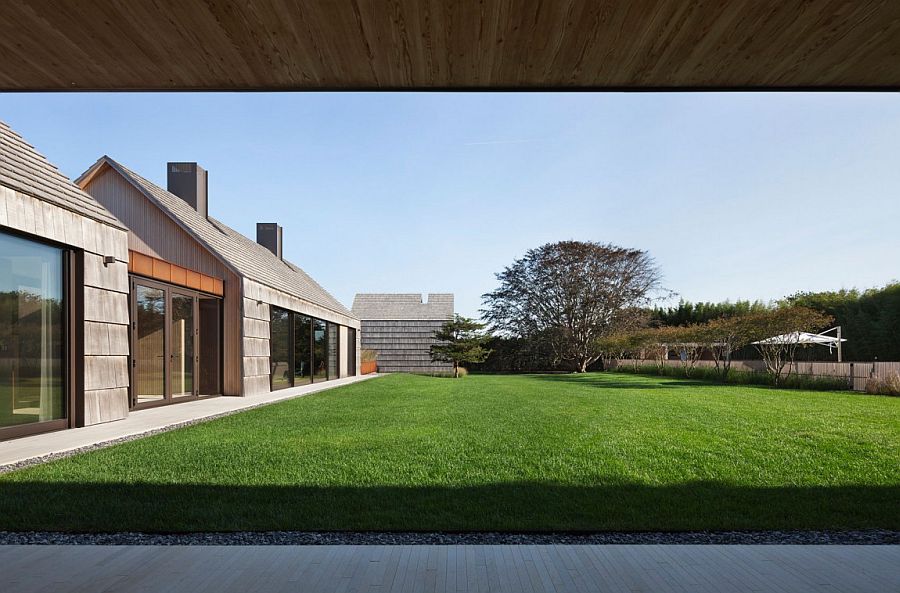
x=526, y=568
x=145, y=422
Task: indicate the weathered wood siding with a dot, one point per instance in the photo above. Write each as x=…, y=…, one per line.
x=151, y=231
x=105, y=365
x=342, y=356
x=403, y=346
x=232, y=349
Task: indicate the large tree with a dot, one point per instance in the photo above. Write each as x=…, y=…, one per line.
x=571, y=294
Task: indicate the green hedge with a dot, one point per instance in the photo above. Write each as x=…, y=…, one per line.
x=809, y=382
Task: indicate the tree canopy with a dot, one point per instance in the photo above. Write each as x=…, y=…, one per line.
x=571, y=293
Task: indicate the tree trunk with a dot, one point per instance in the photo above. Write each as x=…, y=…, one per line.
x=455, y=370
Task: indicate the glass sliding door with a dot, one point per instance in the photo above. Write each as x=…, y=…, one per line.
x=181, y=357
x=333, y=351
x=320, y=351
x=150, y=344
x=176, y=344
x=210, y=346
x=281, y=346
x=302, y=349
x=32, y=387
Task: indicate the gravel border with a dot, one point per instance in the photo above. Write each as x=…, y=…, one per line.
x=280, y=538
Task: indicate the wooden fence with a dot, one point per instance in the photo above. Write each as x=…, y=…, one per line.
x=857, y=374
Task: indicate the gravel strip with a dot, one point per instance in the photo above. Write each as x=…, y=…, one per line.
x=276, y=538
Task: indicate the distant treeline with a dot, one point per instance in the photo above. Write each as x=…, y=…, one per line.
x=687, y=313
x=869, y=320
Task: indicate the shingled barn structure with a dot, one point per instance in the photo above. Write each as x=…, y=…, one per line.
x=400, y=328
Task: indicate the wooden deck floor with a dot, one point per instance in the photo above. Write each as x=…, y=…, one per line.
x=631, y=568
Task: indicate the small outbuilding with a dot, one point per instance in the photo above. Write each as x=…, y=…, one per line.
x=400, y=329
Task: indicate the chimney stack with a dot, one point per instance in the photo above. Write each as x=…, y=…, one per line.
x=188, y=181
x=268, y=234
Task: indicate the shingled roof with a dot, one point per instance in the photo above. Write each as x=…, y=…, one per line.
x=245, y=256
x=25, y=170
x=404, y=306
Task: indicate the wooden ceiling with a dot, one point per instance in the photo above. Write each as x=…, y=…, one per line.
x=446, y=44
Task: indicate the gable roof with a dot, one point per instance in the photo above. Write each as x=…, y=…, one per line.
x=25, y=170
x=404, y=306
x=244, y=256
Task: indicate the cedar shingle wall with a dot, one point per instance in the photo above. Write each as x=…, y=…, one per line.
x=403, y=345
x=105, y=295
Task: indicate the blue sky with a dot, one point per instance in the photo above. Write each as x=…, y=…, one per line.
x=751, y=196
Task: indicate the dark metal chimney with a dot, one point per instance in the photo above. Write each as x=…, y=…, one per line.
x=188, y=181
x=268, y=234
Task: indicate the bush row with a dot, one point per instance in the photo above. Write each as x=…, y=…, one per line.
x=808, y=382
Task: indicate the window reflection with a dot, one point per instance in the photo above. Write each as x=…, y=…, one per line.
x=320, y=351
x=302, y=349
x=31, y=332
x=280, y=344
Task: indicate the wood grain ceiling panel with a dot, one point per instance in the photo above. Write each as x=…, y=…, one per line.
x=444, y=44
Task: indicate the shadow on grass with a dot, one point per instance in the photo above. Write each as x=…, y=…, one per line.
x=639, y=382
x=524, y=506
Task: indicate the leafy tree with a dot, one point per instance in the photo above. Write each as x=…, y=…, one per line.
x=688, y=341
x=571, y=294
x=725, y=336
x=460, y=340
x=777, y=335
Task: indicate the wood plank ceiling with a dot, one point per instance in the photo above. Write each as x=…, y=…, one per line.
x=446, y=44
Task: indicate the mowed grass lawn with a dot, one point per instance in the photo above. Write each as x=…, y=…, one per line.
x=515, y=453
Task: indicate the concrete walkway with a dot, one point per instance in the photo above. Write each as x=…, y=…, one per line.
x=143, y=422
x=425, y=569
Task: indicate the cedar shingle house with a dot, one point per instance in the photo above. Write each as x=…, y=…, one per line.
x=258, y=321
x=117, y=295
x=63, y=299
x=400, y=328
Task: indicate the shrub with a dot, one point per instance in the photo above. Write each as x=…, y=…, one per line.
x=807, y=382
x=889, y=385
x=369, y=355
x=463, y=372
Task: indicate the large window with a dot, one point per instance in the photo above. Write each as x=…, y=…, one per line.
x=302, y=349
x=351, y=352
x=280, y=343
x=320, y=351
x=150, y=344
x=32, y=388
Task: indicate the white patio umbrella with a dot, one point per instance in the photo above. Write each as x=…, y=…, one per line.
x=807, y=338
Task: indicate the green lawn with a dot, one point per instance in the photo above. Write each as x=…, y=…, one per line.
x=540, y=452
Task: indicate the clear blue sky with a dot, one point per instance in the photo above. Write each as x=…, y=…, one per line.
x=750, y=196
